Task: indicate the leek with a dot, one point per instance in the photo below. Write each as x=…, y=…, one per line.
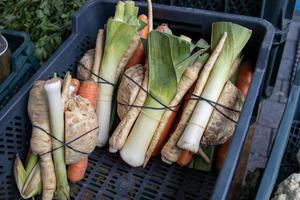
x=56, y=110
x=119, y=33
x=165, y=51
x=234, y=43
x=28, y=179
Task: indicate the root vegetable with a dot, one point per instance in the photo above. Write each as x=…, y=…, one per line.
x=80, y=118
x=244, y=77
x=185, y=158
x=118, y=138
x=75, y=83
x=85, y=66
x=77, y=170
x=220, y=128
x=98, y=54
x=128, y=90
x=139, y=56
x=89, y=90
x=40, y=142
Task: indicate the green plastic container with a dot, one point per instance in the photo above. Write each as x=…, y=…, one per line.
x=23, y=64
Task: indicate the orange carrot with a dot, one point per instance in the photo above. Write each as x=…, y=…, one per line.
x=162, y=27
x=243, y=81
x=89, y=90
x=76, y=84
x=244, y=76
x=76, y=171
x=138, y=56
x=221, y=154
x=165, y=134
x=186, y=156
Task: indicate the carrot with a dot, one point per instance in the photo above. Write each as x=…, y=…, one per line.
x=138, y=56
x=76, y=171
x=168, y=127
x=89, y=90
x=221, y=154
x=165, y=134
x=185, y=158
x=162, y=27
x=244, y=78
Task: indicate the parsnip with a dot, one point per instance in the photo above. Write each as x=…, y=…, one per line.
x=118, y=138
x=85, y=66
x=40, y=142
x=128, y=90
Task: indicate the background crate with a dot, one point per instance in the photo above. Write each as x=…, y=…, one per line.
x=23, y=64
x=282, y=161
x=108, y=177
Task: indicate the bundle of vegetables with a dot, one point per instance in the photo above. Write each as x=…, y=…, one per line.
x=64, y=127
x=149, y=96
x=177, y=102
x=122, y=39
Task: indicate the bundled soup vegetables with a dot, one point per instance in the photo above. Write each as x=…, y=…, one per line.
x=175, y=98
x=149, y=96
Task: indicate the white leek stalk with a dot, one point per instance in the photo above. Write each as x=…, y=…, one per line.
x=234, y=43
x=119, y=33
x=56, y=110
x=164, y=52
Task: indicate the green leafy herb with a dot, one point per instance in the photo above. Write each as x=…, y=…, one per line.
x=48, y=22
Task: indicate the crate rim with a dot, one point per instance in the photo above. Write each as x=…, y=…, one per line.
x=226, y=175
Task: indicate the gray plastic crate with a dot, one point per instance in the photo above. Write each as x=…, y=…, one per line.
x=282, y=161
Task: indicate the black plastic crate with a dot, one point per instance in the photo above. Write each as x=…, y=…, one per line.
x=253, y=8
x=108, y=177
x=282, y=161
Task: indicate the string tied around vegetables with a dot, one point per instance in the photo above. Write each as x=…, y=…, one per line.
x=100, y=79
x=65, y=144
x=215, y=106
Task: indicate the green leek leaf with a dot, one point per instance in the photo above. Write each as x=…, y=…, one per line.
x=162, y=76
